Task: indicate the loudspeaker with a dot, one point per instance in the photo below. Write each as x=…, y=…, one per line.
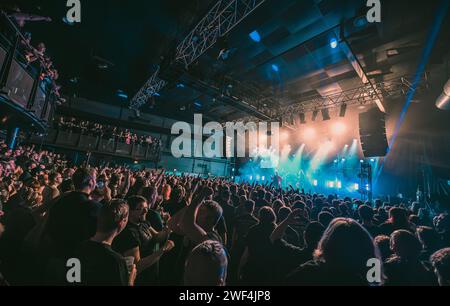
x=325, y=114
x=372, y=133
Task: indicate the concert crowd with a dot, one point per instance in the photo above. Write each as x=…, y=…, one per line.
x=147, y=227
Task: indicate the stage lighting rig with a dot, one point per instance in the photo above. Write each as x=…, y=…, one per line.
x=216, y=24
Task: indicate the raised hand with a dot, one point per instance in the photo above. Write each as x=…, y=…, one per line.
x=133, y=275
x=203, y=194
x=168, y=246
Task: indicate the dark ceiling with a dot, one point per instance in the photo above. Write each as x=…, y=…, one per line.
x=136, y=36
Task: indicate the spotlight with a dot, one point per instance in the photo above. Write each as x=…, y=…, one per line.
x=314, y=115
x=335, y=161
x=356, y=186
x=392, y=52
x=343, y=110
x=343, y=160
x=275, y=68
x=361, y=161
x=255, y=36
x=302, y=118
x=325, y=114
x=360, y=21
x=339, y=184
x=372, y=160
x=333, y=43
x=443, y=102
x=121, y=94
x=263, y=178
x=314, y=182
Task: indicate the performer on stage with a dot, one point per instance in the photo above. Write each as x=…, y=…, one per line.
x=277, y=179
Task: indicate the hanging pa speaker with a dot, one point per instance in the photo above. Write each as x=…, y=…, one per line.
x=372, y=133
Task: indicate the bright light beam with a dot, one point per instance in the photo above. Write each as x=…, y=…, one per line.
x=434, y=31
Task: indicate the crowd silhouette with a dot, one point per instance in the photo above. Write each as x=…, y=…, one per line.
x=148, y=227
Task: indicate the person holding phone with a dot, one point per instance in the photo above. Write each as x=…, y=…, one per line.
x=138, y=238
x=101, y=193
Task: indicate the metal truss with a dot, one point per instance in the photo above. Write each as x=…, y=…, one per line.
x=363, y=95
x=222, y=18
x=150, y=88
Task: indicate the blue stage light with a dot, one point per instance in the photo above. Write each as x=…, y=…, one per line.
x=121, y=94
x=180, y=85
x=315, y=182
x=275, y=68
x=333, y=43
x=372, y=160
x=255, y=36
x=360, y=21
x=356, y=186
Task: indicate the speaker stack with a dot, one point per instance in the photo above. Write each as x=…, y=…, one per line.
x=372, y=133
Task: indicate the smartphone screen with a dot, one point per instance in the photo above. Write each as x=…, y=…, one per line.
x=100, y=184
